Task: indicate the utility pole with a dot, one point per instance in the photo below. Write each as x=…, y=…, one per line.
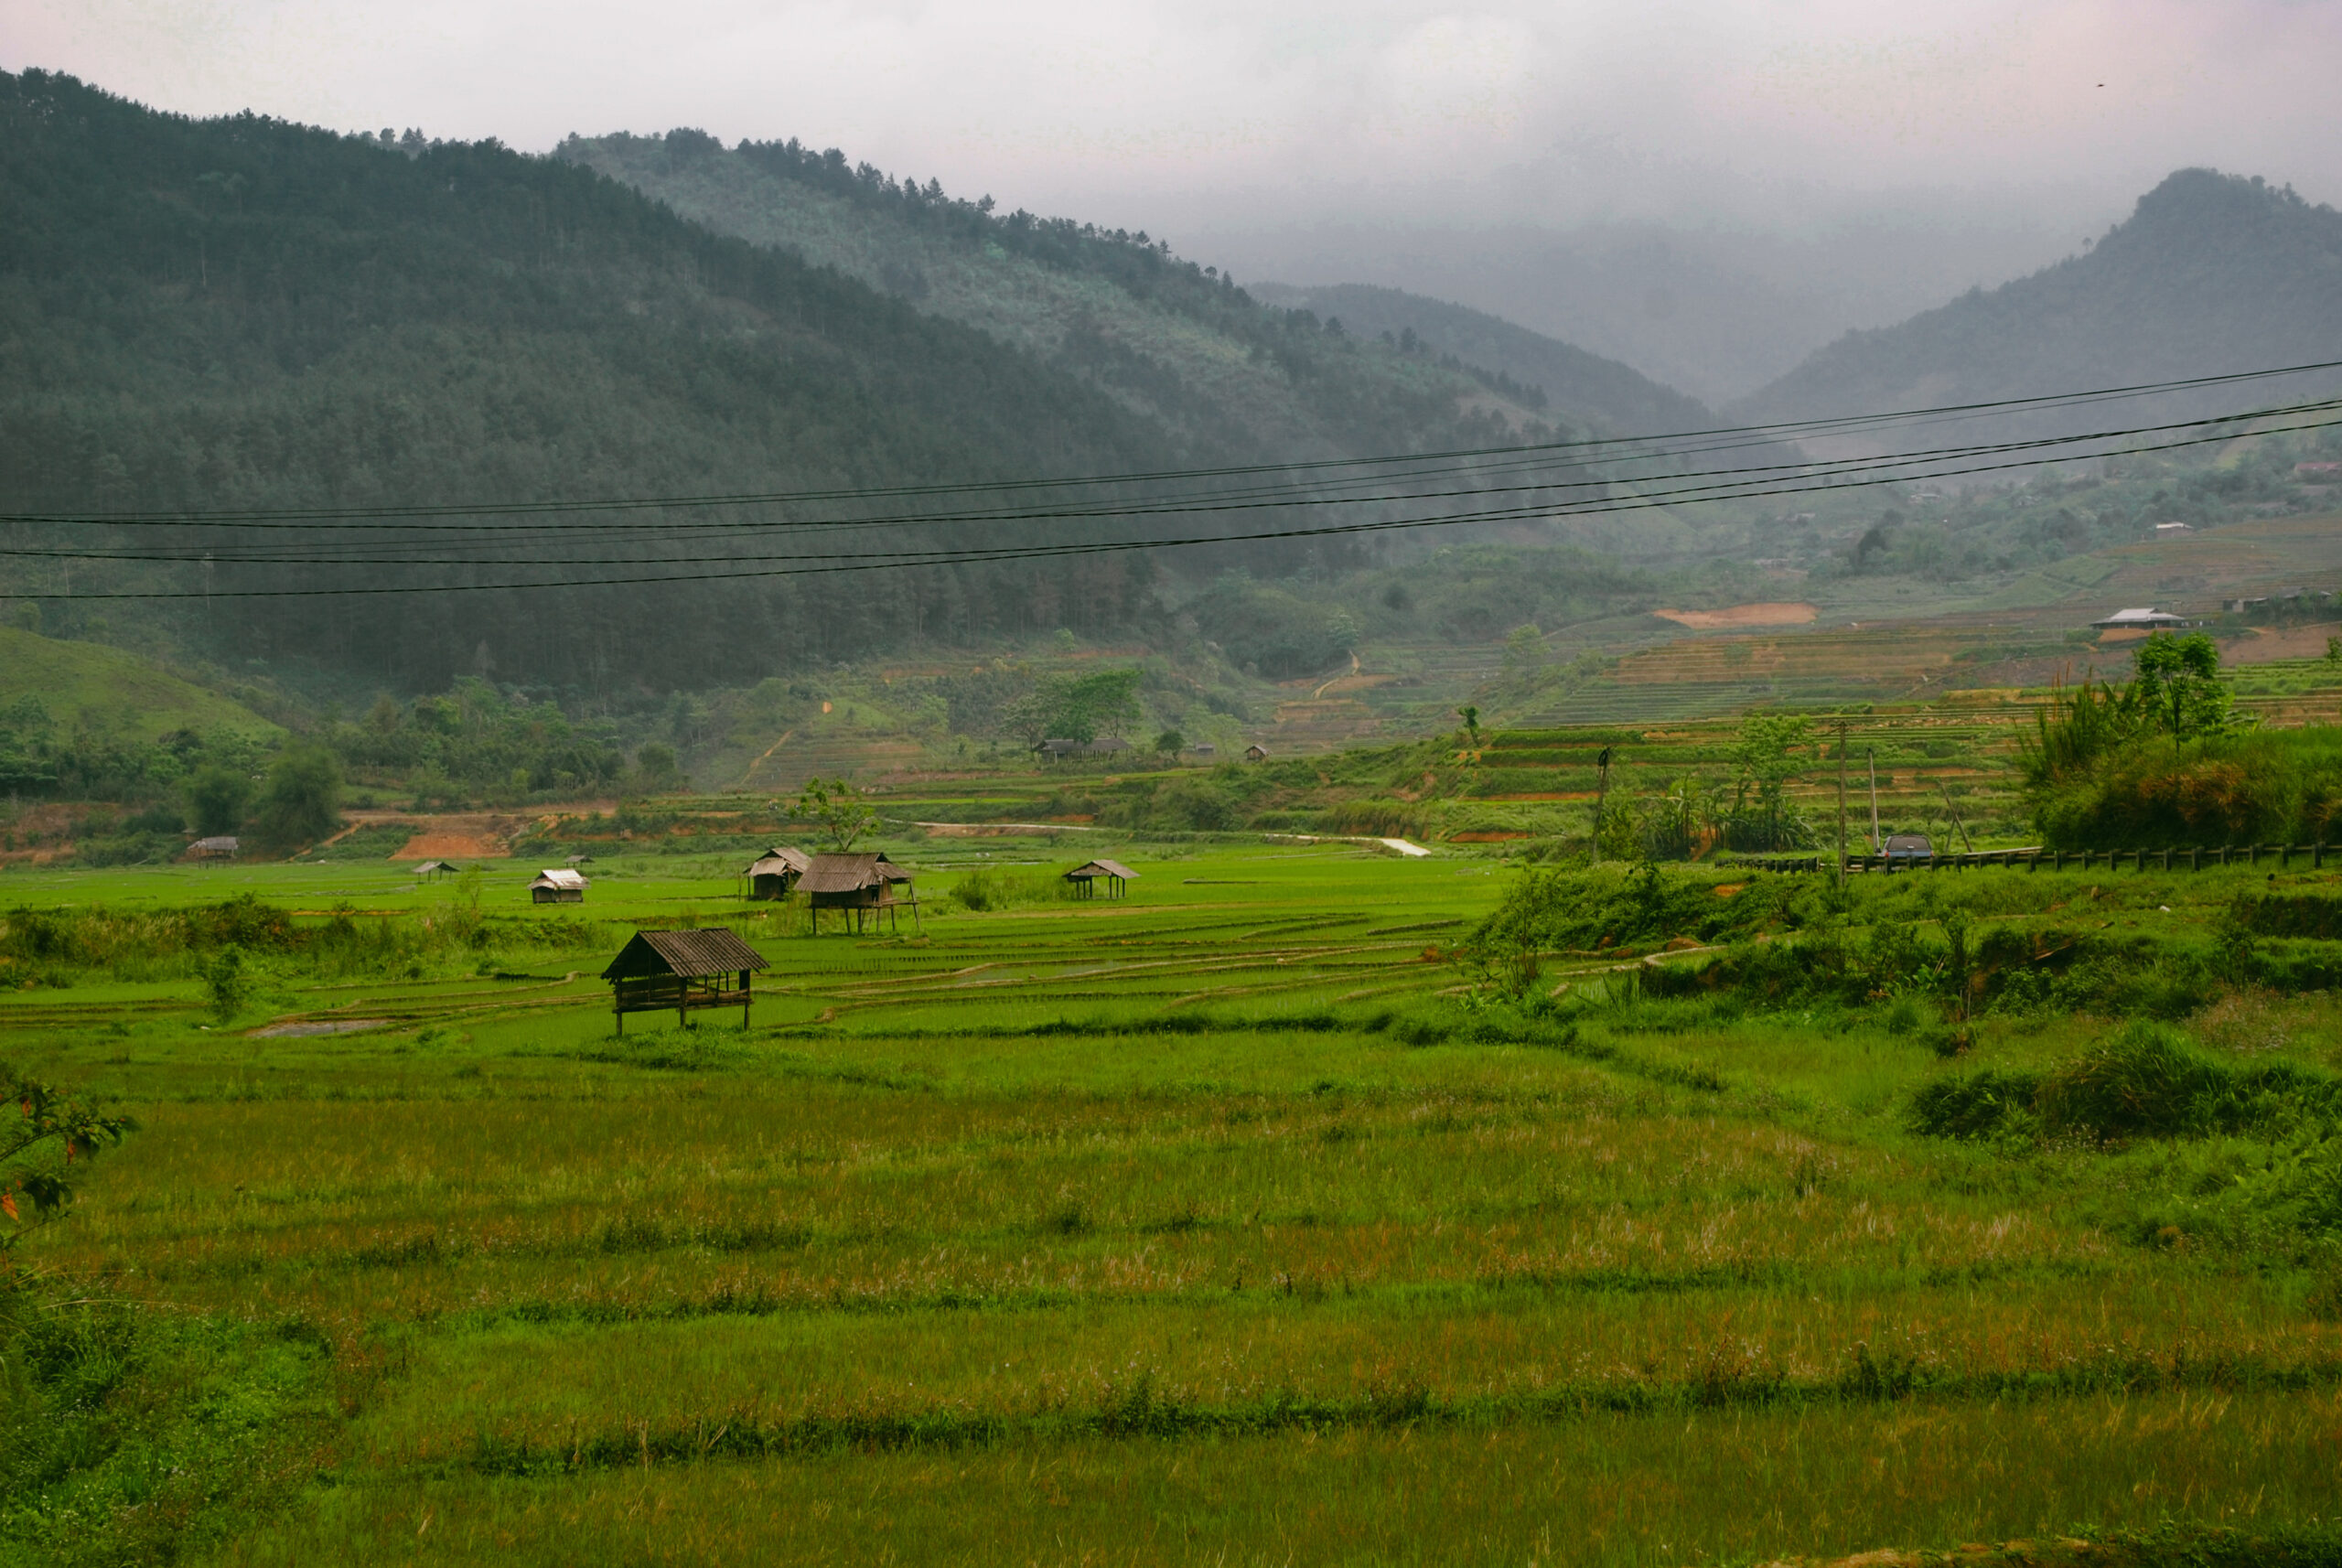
x=1955, y=818
x=1842, y=803
x=1601, y=792
x=1872, y=753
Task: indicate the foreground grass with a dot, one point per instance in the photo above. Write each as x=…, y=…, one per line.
x=1205, y=1226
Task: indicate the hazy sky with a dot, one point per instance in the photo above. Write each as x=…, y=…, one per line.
x=1149, y=112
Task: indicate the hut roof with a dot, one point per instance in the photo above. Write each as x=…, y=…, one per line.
x=426, y=867
x=223, y=845
x=780, y=861
x=559, y=876
x=850, y=872
x=1102, y=868
x=716, y=951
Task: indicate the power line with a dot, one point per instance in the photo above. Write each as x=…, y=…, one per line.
x=1733, y=481
x=992, y=556
x=1636, y=448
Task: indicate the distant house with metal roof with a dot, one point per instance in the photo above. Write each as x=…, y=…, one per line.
x=1104, y=746
x=861, y=884
x=558, y=884
x=773, y=874
x=1115, y=874
x=2146, y=619
x=682, y=969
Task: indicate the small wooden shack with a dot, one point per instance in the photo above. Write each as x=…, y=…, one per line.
x=221, y=848
x=682, y=969
x=431, y=870
x=1114, y=873
x=862, y=885
x=1256, y=753
x=773, y=874
x=558, y=884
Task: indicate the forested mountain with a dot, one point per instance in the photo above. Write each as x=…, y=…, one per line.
x=246, y=314
x=2211, y=273
x=1179, y=343
x=1616, y=398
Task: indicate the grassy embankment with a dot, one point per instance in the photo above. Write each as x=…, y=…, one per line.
x=1218, y=1222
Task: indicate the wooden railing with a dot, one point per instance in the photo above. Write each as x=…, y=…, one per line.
x=2193, y=857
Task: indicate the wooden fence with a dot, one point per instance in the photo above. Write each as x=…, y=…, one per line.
x=2034, y=858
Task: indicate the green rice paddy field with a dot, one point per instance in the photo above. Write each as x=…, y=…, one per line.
x=1225, y=1223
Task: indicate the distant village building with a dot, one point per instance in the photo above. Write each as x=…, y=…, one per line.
x=682, y=969
x=558, y=886
x=2147, y=619
x=1256, y=753
x=861, y=884
x=1114, y=873
x=2172, y=530
x=773, y=874
x=221, y=848
x=1205, y=748
x=2323, y=469
x=1104, y=746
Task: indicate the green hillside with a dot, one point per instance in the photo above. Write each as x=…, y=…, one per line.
x=1174, y=341
x=1613, y=398
x=112, y=695
x=243, y=313
x=2211, y=273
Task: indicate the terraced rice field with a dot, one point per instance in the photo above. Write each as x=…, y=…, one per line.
x=1209, y=1225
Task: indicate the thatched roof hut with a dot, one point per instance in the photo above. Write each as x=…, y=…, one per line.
x=558, y=884
x=1112, y=871
x=682, y=969
x=858, y=883
x=773, y=874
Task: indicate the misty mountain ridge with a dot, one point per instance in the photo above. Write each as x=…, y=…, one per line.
x=1574, y=377
x=2211, y=273
x=1715, y=313
x=1176, y=343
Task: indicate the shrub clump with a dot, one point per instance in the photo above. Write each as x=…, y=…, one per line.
x=2144, y=1080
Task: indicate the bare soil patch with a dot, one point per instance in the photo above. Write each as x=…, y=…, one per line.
x=1772, y=614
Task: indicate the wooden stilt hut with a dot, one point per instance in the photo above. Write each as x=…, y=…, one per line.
x=682, y=969
x=1114, y=873
x=863, y=887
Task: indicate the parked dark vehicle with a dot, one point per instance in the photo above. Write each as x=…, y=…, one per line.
x=1908, y=851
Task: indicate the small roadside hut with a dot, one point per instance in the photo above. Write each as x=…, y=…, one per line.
x=682, y=969
x=559, y=885
x=773, y=874
x=1116, y=876
x=861, y=885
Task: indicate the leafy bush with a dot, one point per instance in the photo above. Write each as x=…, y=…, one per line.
x=2144, y=1080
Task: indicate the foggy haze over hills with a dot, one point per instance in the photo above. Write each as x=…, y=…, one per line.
x=1706, y=191
x=1715, y=313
